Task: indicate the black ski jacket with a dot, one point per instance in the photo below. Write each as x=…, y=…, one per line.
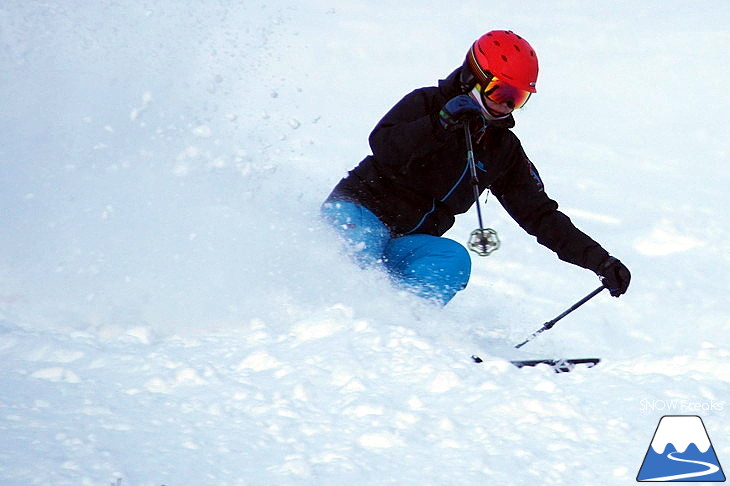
x=417, y=178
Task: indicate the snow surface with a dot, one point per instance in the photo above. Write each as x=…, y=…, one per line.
x=172, y=311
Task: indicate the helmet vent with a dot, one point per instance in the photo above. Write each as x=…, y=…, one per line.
x=504, y=58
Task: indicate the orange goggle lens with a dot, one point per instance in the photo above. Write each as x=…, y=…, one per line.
x=500, y=92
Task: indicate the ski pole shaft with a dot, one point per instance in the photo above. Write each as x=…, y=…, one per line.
x=473, y=170
x=550, y=324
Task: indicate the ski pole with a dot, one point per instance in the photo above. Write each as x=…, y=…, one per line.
x=483, y=241
x=550, y=324
x=473, y=169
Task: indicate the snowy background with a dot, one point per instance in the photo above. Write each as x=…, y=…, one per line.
x=172, y=311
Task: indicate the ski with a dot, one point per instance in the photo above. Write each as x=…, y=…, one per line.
x=564, y=365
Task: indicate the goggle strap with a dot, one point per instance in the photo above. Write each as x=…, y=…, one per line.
x=484, y=77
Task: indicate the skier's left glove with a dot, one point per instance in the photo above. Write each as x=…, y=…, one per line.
x=459, y=110
x=614, y=275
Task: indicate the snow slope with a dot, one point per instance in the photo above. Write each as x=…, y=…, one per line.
x=172, y=311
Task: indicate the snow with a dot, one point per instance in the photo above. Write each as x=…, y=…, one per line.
x=173, y=312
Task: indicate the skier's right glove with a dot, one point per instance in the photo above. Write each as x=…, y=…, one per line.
x=459, y=110
x=615, y=276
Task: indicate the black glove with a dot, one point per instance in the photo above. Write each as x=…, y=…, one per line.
x=462, y=109
x=614, y=275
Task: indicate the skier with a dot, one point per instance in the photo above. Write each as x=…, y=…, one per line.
x=393, y=208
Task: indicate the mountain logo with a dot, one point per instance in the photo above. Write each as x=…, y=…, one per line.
x=681, y=451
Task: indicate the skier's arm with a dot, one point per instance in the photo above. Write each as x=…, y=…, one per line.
x=522, y=194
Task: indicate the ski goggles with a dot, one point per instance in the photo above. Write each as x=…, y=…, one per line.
x=500, y=92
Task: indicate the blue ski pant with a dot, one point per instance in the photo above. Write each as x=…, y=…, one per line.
x=431, y=267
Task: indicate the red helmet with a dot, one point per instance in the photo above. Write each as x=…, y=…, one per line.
x=505, y=55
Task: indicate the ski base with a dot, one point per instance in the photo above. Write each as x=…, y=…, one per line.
x=558, y=365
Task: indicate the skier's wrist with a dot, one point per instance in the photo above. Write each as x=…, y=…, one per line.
x=594, y=258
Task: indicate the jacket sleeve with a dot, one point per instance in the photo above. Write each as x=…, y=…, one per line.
x=409, y=130
x=521, y=193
